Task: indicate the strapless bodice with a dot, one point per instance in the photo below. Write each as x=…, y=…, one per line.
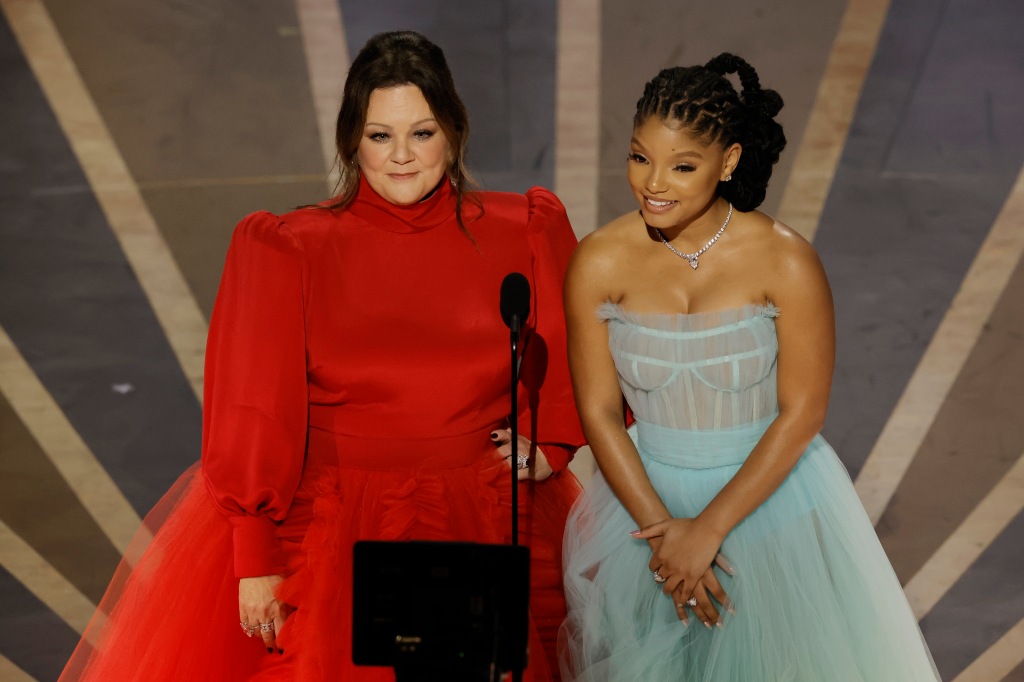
x=711, y=370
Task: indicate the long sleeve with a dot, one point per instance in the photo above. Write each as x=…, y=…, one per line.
x=255, y=391
x=546, y=390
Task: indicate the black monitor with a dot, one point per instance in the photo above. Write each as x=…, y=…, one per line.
x=440, y=610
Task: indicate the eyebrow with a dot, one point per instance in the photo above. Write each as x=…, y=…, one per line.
x=385, y=125
x=637, y=142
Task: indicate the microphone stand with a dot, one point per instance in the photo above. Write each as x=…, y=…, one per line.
x=514, y=342
x=515, y=308
x=514, y=327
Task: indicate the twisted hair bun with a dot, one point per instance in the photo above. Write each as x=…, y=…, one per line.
x=704, y=101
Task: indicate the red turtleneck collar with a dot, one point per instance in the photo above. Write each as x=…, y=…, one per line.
x=419, y=217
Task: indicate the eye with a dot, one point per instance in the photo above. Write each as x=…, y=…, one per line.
x=423, y=134
x=636, y=158
x=684, y=168
x=379, y=137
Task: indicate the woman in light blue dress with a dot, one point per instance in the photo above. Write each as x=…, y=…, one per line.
x=726, y=542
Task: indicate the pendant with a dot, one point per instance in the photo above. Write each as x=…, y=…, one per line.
x=693, y=262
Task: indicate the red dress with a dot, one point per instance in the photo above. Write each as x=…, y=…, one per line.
x=355, y=367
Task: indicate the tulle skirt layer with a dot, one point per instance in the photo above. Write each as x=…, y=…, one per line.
x=171, y=612
x=815, y=597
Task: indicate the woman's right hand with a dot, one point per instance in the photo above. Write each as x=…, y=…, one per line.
x=258, y=607
x=700, y=600
x=682, y=553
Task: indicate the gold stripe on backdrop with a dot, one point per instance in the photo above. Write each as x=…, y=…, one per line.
x=326, y=49
x=829, y=123
x=12, y=673
x=44, y=581
x=999, y=660
x=45, y=420
x=945, y=356
x=577, y=111
x=236, y=181
x=963, y=547
x=112, y=184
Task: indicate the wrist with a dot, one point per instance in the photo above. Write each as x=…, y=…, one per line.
x=713, y=523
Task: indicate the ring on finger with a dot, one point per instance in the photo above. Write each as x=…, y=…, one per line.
x=692, y=601
x=249, y=631
x=522, y=461
x=267, y=627
x=658, y=578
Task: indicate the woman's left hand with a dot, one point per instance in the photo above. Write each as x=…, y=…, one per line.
x=683, y=557
x=537, y=466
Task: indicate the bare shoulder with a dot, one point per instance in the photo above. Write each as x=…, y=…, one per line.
x=605, y=247
x=794, y=264
x=785, y=250
x=601, y=265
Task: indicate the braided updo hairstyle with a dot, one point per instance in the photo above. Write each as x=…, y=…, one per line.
x=702, y=100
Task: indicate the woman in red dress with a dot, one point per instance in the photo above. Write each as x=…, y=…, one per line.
x=357, y=388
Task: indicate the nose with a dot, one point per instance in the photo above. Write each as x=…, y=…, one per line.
x=400, y=153
x=654, y=182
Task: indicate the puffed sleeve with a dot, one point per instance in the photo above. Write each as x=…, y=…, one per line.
x=255, y=389
x=546, y=391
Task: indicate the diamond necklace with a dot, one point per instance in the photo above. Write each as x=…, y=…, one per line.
x=691, y=258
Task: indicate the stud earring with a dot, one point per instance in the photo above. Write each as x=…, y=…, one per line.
x=727, y=178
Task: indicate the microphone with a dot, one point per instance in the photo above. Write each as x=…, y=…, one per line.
x=515, y=300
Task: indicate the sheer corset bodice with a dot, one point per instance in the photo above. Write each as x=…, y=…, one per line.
x=702, y=371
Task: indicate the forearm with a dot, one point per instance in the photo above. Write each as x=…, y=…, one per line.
x=764, y=470
x=621, y=466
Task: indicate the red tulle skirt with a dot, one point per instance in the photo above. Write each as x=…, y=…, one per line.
x=171, y=612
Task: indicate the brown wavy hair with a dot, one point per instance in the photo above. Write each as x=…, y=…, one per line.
x=389, y=60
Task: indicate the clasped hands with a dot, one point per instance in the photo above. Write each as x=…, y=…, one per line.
x=683, y=552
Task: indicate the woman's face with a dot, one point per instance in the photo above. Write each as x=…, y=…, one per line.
x=403, y=153
x=673, y=175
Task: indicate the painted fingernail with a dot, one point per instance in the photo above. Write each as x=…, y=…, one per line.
x=494, y=435
x=270, y=650
x=685, y=622
x=707, y=625
x=634, y=533
x=280, y=652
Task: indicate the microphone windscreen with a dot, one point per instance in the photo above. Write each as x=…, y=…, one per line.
x=515, y=298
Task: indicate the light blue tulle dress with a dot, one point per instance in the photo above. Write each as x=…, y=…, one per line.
x=815, y=597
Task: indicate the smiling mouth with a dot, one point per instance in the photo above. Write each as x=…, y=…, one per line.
x=657, y=206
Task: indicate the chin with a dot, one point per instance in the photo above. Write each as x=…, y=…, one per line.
x=662, y=221
x=404, y=196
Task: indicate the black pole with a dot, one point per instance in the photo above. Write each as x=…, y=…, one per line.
x=514, y=419
x=515, y=307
